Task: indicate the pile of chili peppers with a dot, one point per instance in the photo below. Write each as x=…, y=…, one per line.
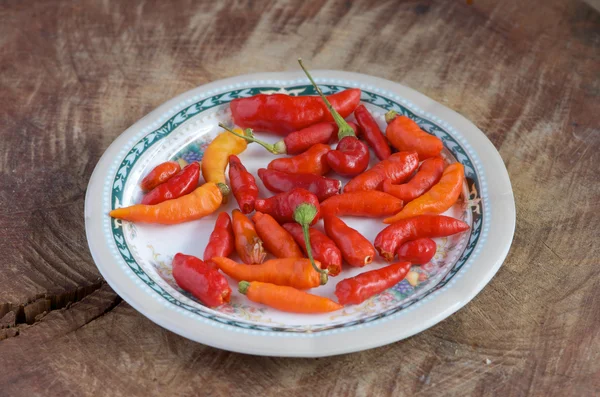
x=282, y=251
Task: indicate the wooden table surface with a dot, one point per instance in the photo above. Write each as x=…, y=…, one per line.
x=75, y=74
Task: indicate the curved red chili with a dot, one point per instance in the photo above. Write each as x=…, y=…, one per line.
x=419, y=251
x=355, y=248
x=310, y=162
x=243, y=185
x=428, y=175
x=279, y=181
x=160, y=174
x=179, y=185
x=372, y=133
x=221, y=241
x=398, y=167
x=355, y=290
x=324, y=249
x=203, y=281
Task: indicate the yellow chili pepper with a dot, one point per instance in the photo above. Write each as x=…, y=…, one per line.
x=216, y=157
x=438, y=199
x=203, y=201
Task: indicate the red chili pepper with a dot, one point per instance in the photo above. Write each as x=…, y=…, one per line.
x=221, y=240
x=371, y=132
x=405, y=135
x=243, y=185
x=276, y=239
x=247, y=243
x=355, y=290
x=279, y=181
x=428, y=175
x=203, y=281
x=160, y=174
x=355, y=248
x=283, y=114
x=418, y=252
x=323, y=248
x=351, y=157
x=310, y=162
x=398, y=167
x=393, y=236
x=179, y=185
x=368, y=203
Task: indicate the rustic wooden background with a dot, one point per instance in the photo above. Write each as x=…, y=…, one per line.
x=75, y=74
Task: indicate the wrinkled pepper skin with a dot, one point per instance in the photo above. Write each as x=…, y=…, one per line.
x=371, y=133
x=275, y=238
x=350, y=158
x=397, y=168
x=313, y=161
x=216, y=156
x=282, y=114
x=243, y=185
x=418, y=252
x=357, y=289
x=320, y=186
x=178, y=185
x=393, y=236
x=368, y=203
x=200, y=279
x=356, y=250
x=406, y=135
x=221, y=241
x=439, y=198
x=323, y=248
x=160, y=174
x=428, y=175
x=282, y=205
x=248, y=245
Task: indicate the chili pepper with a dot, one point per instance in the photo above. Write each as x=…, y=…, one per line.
x=357, y=289
x=222, y=240
x=355, y=248
x=372, y=133
x=179, y=185
x=398, y=167
x=203, y=281
x=287, y=299
x=351, y=157
x=428, y=175
x=203, y=201
x=419, y=251
x=282, y=114
x=160, y=174
x=297, y=205
x=368, y=203
x=439, y=198
x=320, y=186
x=294, y=272
x=247, y=243
x=216, y=157
x=275, y=238
x=393, y=236
x=243, y=184
x=323, y=248
x=404, y=134
x=312, y=161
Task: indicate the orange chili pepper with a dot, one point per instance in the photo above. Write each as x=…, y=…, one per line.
x=247, y=243
x=313, y=161
x=276, y=239
x=294, y=272
x=160, y=174
x=438, y=199
x=287, y=299
x=203, y=201
x=405, y=134
x=368, y=203
x=216, y=157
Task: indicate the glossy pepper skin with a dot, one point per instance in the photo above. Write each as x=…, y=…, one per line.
x=178, y=185
x=355, y=248
x=248, y=245
x=282, y=205
x=428, y=175
x=418, y=252
x=282, y=114
x=393, y=236
x=323, y=248
x=398, y=167
x=221, y=241
x=160, y=174
x=368, y=203
x=243, y=185
x=203, y=281
x=275, y=238
x=355, y=290
x=294, y=272
x=216, y=157
x=287, y=299
x=312, y=161
x=439, y=198
x=371, y=133
x=320, y=186
x=203, y=201
x=406, y=135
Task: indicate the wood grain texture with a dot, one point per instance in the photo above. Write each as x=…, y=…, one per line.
x=75, y=74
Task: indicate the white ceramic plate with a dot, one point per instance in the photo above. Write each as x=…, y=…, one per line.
x=135, y=259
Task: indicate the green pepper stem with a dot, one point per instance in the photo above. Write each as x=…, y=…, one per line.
x=243, y=287
x=277, y=148
x=344, y=128
x=304, y=215
x=225, y=190
x=390, y=116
